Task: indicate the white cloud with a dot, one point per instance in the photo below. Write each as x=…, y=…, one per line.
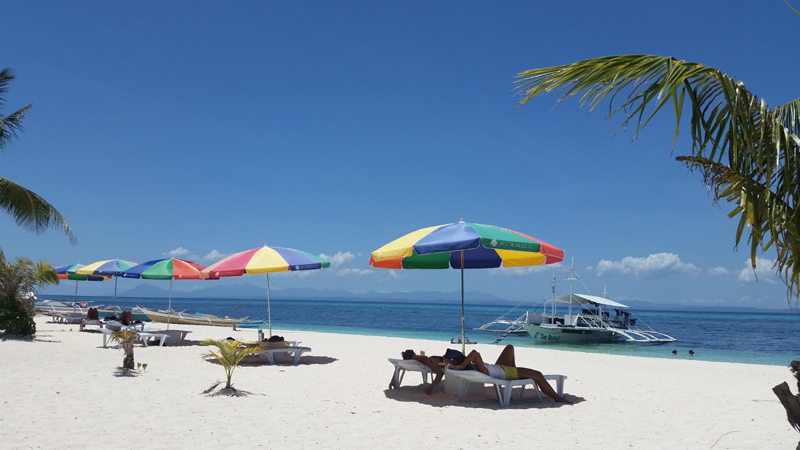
x=395, y=274
x=214, y=255
x=764, y=272
x=339, y=258
x=179, y=252
x=357, y=272
x=654, y=266
x=714, y=271
x=522, y=271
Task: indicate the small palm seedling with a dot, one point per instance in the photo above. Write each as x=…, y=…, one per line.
x=126, y=338
x=142, y=367
x=229, y=356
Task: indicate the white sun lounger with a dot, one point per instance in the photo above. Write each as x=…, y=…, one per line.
x=69, y=318
x=401, y=366
x=297, y=352
x=502, y=387
x=173, y=336
x=141, y=336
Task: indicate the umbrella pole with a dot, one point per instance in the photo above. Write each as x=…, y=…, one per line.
x=463, y=336
x=75, y=303
x=169, y=308
x=269, y=312
x=115, y=294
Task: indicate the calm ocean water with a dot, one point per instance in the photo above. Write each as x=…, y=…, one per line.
x=771, y=339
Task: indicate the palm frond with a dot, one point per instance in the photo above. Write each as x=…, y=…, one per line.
x=11, y=125
x=230, y=354
x=749, y=153
x=789, y=116
x=6, y=75
x=30, y=211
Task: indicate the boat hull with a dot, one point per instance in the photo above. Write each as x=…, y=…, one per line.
x=186, y=319
x=574, y=335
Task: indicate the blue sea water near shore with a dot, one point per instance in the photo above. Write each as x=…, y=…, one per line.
x=770, y=339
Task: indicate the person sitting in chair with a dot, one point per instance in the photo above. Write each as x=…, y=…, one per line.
x=505, y=368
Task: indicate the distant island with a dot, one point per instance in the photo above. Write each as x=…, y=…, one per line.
x=248, y=291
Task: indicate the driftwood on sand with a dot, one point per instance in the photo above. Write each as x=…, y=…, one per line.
x=791, y=402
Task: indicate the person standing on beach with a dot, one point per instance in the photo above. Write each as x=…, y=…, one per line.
x=505, y=368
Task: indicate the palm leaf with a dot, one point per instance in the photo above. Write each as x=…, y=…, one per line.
x=30, y=211
x=11, y=124
x=747, y=152
x=230, y=354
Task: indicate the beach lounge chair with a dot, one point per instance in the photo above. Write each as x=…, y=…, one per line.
x=502, y=387
x=143, y=337
x=401, y=366
x=173, y=336
x=116, y=326
x=280, y=352
x=68, y=318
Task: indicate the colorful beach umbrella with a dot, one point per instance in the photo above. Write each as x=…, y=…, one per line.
x=108, y=268
x=166, y=269
x=70, y=272
x=265, y=260
x=464, y=246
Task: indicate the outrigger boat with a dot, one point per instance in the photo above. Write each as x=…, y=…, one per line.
x=181, y=317
x=56, y=308
x=587, y=319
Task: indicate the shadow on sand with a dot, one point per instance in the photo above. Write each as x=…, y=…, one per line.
x=260, y=359
x=487, y=400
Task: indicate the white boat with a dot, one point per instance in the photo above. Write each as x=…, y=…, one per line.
x=579, y=319
x=53, y=307
x=181, y=317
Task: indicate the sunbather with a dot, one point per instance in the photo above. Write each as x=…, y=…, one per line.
x=434, y=362
x=505, y=368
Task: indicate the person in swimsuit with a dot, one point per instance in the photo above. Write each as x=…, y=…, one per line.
x=505, y=368
x=434, y=362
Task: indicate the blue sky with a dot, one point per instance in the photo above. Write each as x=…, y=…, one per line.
x=200, y=129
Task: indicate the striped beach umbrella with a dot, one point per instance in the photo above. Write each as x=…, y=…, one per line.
x=464, y=246
x=265, y=260
x=70, y=272
x=166, y=269
x=108, y=268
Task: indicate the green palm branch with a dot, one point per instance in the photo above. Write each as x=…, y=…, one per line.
x=30, y=211
x=22, y=276
x=230, y=355
x=746, y=151
x=126, y=338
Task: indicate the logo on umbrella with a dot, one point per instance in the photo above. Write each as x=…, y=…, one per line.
x=216, y=274
x=296, y=267
x=494, y=243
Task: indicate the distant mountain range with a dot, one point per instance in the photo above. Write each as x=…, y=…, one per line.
x=248, y=291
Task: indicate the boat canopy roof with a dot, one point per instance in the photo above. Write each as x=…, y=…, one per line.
x=582, y=299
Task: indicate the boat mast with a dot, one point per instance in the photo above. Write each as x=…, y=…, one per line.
x=571, y=278
x=553, y=315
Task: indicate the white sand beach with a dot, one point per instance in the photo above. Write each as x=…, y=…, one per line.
x=62, y=390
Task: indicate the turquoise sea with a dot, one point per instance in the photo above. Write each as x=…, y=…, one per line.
x=770, y=339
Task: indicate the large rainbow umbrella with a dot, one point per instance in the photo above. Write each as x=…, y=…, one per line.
x=107, y=268
x=166, y=269
x=265, y=260
x=70, y=272
x=464, y=245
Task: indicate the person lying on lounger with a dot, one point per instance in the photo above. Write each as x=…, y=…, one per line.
x=434, y=362
x=505, y=368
